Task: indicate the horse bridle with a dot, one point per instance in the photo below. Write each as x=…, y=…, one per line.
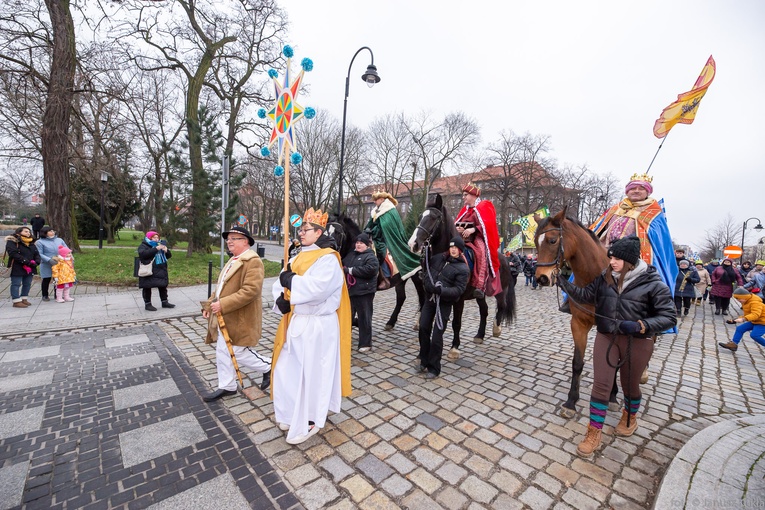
x=560, y=256
x=429, y=233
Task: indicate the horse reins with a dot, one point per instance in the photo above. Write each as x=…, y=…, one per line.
x=560, y=257
x=425, y=247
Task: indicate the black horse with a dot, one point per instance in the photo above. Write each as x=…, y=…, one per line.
x=433, y=233
x=344, y=230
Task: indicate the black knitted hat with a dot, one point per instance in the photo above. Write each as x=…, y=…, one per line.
x=364, y=238
x=627, y=249
x=458, y=242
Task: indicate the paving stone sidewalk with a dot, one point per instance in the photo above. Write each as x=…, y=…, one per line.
x=486, y=434
x=112, y=419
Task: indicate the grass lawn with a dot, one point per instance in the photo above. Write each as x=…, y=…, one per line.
x=128, y=238
x=115, y=267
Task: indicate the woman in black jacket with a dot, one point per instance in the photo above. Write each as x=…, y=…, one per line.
x=23, y=259
x=685, y=285
x=361, y=267
x=155, y=252
x=450, y=276
x=632, y=304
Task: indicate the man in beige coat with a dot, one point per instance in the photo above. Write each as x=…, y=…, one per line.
x=238, y=297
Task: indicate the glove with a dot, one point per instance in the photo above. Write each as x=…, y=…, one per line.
x=345, y=270
x=629, y=327
x=730, y=321
x=437, y=289
x=32, y=263
x=429, y=287
x=53, y=262
x=282, y=304
x=285, y=278
x=27, y=269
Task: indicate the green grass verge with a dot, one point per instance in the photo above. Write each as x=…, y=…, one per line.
x=115, y=267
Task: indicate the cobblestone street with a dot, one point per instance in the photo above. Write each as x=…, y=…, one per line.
x=487, y=431
x=486, y=434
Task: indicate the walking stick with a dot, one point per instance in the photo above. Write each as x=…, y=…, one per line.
x=224, y=331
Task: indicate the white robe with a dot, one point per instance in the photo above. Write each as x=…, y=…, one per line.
x=306, y=377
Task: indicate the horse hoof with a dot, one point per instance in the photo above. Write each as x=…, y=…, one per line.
x=388, y=327
x=478, y=340
x=454, y=354
x=496, y=331
x=614, y=406
x=644, y=376
x=416, y=327
x=567, y=413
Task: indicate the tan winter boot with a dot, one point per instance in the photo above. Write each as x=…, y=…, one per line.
x=590, y=443
x=622, y=429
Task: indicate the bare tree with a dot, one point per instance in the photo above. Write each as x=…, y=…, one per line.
x=724, y=233
x=439, y=147
x=191, y=44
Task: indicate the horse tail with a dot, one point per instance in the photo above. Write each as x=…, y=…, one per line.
x=509, y=312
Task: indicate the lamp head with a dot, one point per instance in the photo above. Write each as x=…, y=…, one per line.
x=104, y=177
x=371, y=76
x=759, y=227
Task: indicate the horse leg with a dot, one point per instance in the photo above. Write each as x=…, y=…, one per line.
x=400, y=298
x=454, y=352
x=579, y=330
x=483, y=310
x=496, y=329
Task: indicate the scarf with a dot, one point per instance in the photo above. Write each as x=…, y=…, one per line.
x=26, y=240
x=159, y=258
x=729, y=274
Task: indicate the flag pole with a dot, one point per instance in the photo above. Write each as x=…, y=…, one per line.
x=657, y=152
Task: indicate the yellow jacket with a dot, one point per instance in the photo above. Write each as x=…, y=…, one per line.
x=754, y=309
x=64, y=272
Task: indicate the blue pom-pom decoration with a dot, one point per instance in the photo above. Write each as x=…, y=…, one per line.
x=307, y=64
x=272, y=73
x=309, y=113
x=262, y=113
x=278, y=171
x=265, y=152
x=288, y=52
x=296, y=158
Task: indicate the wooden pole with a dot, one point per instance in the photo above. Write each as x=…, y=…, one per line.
x=286, y=226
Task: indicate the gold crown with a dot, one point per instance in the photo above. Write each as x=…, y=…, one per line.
x=472, y=188
x=381, y=193
x=641, y=177
x=316, y=217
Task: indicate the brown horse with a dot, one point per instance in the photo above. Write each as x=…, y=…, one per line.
x=562, y=240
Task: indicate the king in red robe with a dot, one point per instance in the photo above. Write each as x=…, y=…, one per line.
x=477, y=224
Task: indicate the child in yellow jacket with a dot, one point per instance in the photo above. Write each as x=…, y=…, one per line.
x=64, y=274
x=753, y=319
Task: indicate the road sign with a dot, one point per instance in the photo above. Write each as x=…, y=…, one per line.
x=733, y=252
x=274, y=229
x=296, y=220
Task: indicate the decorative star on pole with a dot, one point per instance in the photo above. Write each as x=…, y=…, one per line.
x=286, y=112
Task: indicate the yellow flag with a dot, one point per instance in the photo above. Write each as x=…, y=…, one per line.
x=684, y=109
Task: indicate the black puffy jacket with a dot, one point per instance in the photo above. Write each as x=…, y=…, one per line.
x=20, y=255
x=646, y=298
x=452, y=273
x=159, y=276
x=364, y=268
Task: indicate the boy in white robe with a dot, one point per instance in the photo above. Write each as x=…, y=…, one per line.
x=311, y=364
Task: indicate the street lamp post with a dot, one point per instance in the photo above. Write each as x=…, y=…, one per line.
x=370, y=77
x=758, y=228
x=104, y=179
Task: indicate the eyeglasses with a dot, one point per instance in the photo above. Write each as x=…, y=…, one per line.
x=236, y=239
x=304, y=230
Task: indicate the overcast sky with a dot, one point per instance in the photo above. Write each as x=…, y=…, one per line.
x=592, y=75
